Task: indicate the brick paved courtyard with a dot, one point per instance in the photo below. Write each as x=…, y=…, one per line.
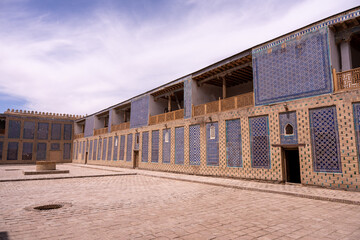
x=146, y=207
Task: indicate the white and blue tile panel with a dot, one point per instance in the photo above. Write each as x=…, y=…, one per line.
x=145, y=147
x=259, y=142
x=194, y=144
x=155, y=146
x=129, y=149
x=179, y=145
x=356, y=107
x=285, y=119
x=212, y=145
x=233, y=143
x=166, y=145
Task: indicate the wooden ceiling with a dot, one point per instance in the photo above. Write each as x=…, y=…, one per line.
x=346, y=24
x=169, y=89
x=236, y=72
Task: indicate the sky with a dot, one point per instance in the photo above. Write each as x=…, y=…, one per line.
x=81, y=56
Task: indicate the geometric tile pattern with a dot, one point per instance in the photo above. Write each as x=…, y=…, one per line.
x=129, y=147
x=90, y=150
x=187, y=97
x=139, y=115
x=29, y=130
x=14, y=129
x=43, y=130
x=12, y=151
x=233, y=143
x=357, y=126
x=89, y=126
x=299, y=69
x=155, y=146
x=67, y=131
x=55, y=131
x=99, y=149
x=325, y=140
x=194, y=141
x=212, y=144
x=67, y=151
x=122, y=147
x=166, y=145
x=179, y=145
x=116, y=144
x=28, y=149
x=137, y=141
x=76, y=150
x=1, y=149
x=145, y=147
x=83, y=151
x=285, y=119
x=41, y=151
x=94, y=150
x=259, y=141
x=109, y=149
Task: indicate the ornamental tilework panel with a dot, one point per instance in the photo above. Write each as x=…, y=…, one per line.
x=12, y=151
x=179, y=145
x=41, y=151
x=55, y=131
x=29, y=130
x=90, y=150
x=233, y=143
x=139, y=112
x=166, y=145
x=109, y=149
x=194, y=142
x=259, y=142
x=122, y=147
x=129, y=147
x=300, y=68
x=94, y=151
x=27, y=151
x=14, y=129
x=116, y=147
x=187, y=97
x=325, y=140
x=155, y=146
x=67, y=131
x=55, y=146
x=1, y=149
x=89, y=126
x=212, y=144
x=83, y=151
x=99, y=150
x=75, y=151
x=286, y=120
x=145, y=147
x=43, y=131
x=357, y=126
x=137, y=141
x=67, y=151
x=103, y=157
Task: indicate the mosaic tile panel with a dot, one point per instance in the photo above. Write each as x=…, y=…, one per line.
x=116, y=147
x=55, y=131
x=194, y=142
x=76, y=150
x=145, y=147
x=259, y=142
x=187, y=97
x=357, y=127
x=103, y=157
x=67, y=151
x=122, y=147
x=166, y=155
x=109, y=149
x=14, y=129
x=83, y=151
x=91, y=150
x=43, y=131
x=55, y=146
x=325, y=140
x=212, y=144
x=67, y=131
x=288, y=119
x=41, y=151
x=129, y=147
x=1, y=149
x=12, y=151
x=137, y=141
x=27, y=151
x=99, y=149
x=94, y=151
x=179, y=145
x=89, y=126
x=233, y=143
x=299, y=69
x=155, y=146
x=29, y=130
x=139, y=115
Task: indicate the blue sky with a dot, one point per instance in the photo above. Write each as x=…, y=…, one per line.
x=79, y=56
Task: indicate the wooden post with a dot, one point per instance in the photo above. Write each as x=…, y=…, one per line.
x=335, y=80
x=169, y=103
x=224, y=88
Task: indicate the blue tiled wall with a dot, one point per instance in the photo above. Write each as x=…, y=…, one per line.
x=41, y=151
x=187, y=97
x=357, y=127
x=94, y=151
x=233, y=143
x=67, y=131
x=109, y=149
x=75, y=150
x=259, y=142
x=12, y=151
x=103, y=157
x=212, y=145
x=325, y=140
x=300, y=69
x=43, y=131
x=99, y=149
x=83, y=151
x=129, y=147
x=91, y=150
x=89, y=126
x=110, y=120
x=166, y=146
x=28, y=149
x=155, y=146
x=179, y=145
x=67, y=151
x=55, y=146
x=122, y=147
x=1, y=149
x=145, y=147
x=116, y=147
x=285, y=119
x=194, y=141
x=55, y=131
x=137, y=141
x=14, y=129
x=29, y=130
x=139, y=115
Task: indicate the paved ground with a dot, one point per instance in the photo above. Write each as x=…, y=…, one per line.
x=147, y=207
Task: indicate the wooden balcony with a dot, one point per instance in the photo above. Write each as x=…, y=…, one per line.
x=80, y=135
x=239, y=101
x=100, y=131
x=165, y=117
x=121, y=126
x=346, y=80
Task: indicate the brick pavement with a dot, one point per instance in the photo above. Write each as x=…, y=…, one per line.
x=146, y=207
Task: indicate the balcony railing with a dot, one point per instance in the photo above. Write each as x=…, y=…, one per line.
x=121, y=126
x=165, y=117
x=100, y=131
x=346, y=80
x=80, y=135
x=239, y=101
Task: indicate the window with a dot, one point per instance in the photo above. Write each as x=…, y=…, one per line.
x=289, y=130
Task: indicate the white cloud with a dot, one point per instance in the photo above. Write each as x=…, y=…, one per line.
x=83, y=65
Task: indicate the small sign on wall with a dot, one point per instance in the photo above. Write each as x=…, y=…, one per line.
x=212, y=132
